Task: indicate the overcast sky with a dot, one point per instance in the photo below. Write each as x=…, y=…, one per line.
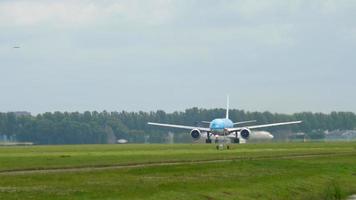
x=277, y=55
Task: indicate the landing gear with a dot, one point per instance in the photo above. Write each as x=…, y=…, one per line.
x=236, y=139
x=208, y=140
x=221, y=147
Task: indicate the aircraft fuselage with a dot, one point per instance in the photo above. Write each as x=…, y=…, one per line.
x=219, y=125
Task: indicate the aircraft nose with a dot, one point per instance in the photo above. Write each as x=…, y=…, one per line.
x=216, y=125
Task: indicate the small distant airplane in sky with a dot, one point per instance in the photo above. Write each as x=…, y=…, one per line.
x=16, y=47
x=225, y=127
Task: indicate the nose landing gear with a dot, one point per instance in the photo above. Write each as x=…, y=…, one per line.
x=222, y=142
x=221, y=147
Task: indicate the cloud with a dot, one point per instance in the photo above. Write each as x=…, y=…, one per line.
x=245, y=44
x=350, y=34
x=265, y=34
x=254, y=8
x=157, y=12
x=78, y=13
x=25, y=13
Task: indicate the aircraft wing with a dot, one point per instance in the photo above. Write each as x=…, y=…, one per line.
x=264, y=125
x=179, y=126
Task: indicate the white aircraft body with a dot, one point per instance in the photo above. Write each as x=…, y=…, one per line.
x=224, y=127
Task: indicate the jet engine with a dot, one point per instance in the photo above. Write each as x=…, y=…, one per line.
x=245, y=133
x=195, y=133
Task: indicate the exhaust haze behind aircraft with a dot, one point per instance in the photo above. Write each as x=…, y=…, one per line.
x=225, y=127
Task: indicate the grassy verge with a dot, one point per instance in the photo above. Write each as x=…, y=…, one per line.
x=330, y=176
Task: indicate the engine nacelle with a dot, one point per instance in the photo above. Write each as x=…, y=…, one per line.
x=195, y=133
x=245, y=133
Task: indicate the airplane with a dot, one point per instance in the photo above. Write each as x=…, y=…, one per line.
x=226, y=128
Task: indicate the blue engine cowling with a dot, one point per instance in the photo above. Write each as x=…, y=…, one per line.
x=195, y=133
x=245, y=133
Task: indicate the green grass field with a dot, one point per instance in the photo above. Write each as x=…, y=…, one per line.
x=182, y=171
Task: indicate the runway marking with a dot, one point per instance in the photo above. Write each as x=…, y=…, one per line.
x=166, y=163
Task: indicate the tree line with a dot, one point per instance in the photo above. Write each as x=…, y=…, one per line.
x=106, y=127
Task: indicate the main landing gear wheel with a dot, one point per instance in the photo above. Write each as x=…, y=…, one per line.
x=236, y=140
x=208, y=141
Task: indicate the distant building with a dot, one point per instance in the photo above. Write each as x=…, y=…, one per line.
x=300, y=136
x=341, y=135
